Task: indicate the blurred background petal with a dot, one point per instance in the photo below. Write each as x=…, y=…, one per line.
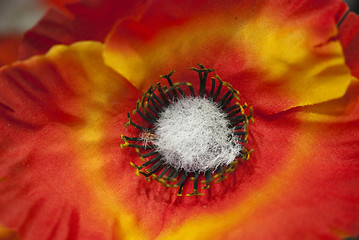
x=17, y=16
x=353, y=5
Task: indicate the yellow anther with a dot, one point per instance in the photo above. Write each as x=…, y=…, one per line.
x=207, y=186
x=251, y=114
x=126, y=144
x=249, y=153
x=137, y=170
x=221, y=178
x=194, y=194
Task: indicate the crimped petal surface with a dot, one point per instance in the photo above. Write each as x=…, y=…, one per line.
x=278, y=54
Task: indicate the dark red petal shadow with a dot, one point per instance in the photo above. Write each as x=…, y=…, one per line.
x=349, y=37
x=85, y=20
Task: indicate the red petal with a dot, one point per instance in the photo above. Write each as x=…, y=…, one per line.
x=8, y=234
x=61, y=4
x=278, y=55
x=322, y=193
x=349, y=37
x=301, y=182
x=65, y=176
x=9, y=47
x=47, y=115
x=86, y=20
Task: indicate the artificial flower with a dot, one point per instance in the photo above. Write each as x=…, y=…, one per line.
x=63, y=174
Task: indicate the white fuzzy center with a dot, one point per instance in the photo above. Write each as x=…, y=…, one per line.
x=193, y=134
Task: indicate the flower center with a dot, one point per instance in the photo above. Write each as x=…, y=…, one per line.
x=183, y=135
x=193, y=134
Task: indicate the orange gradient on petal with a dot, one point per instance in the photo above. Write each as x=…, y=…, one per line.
x=203, y=227
x=302, y=66
x=7, y=234
x=9, y=47
x=101, y=87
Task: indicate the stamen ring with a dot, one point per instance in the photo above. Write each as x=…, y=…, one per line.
x=156, y=100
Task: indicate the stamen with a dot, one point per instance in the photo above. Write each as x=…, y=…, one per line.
x=153, y=109
x=135, y=139
x=239, y=127
x=174, y=175
x=177, y=87
x=130, y=122
x=169, y=80
x=189, y=135
x=155, y=168
x=225, y=103
x=146, y=117
x=149, y=154
x=195, y=186
x=163, y=95
x=237, y=119
x=234, y=113
x=208, y=177
x=202, y=74
x=235, y=106
x=164, y=171
x=158, y=99
x=210, y=96
x=170, y=174
x=240, y=133
x=181, y=183
x=218, y=89
x=220, y=102
x=154, y=159
x=169, y=94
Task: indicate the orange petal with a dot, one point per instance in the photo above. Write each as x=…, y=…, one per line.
x=52, y=119
x=64, y=174
x=303, y=185
x=279, y=55
x=301, y=182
